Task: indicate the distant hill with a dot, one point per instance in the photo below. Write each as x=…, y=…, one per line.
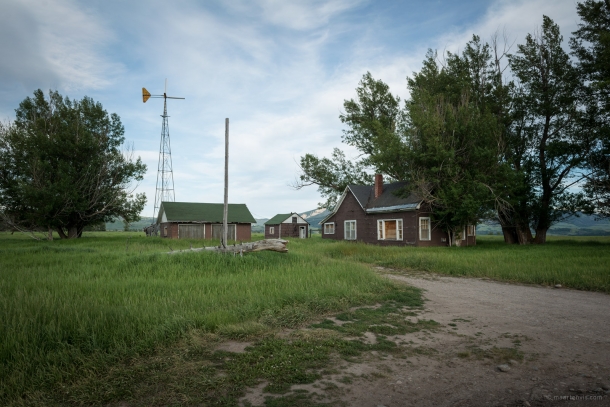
x=315, y=216
x=135, y=227
x=584, y=225
x=259, y=226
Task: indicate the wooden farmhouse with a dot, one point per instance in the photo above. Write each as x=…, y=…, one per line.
x=286, y=225
x=376, y=214
x=193, y=220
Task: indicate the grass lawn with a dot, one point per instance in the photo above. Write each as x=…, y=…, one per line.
x=85, y=320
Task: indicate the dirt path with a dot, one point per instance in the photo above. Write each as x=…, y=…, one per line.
x=554, y=341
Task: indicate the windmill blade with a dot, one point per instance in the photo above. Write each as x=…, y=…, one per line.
x=145, y=95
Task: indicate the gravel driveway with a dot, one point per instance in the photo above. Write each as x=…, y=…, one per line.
x=562, y=335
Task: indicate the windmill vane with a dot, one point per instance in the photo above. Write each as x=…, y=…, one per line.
x=165, y=173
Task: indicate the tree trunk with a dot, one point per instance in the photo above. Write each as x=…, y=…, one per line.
x=50, y=234
x=541, y=236
x=510, y=234
x=276, y=245
x=62, y=234
x=524, y=235
x=72, y=232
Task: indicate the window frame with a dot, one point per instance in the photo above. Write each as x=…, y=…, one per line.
x=271, y=230
x=381, y=231
x=345, y=229
x=473, y=229
x=333, y=228
x=422, y=218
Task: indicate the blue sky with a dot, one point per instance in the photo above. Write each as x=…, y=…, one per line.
x=279, y=70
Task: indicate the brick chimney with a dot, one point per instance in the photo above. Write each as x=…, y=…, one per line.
x=378, y=185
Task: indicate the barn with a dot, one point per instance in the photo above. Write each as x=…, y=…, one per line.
x=286, y=225
x=380, y=214
x=195, y=220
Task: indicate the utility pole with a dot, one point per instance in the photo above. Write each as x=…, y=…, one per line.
x=226, y=206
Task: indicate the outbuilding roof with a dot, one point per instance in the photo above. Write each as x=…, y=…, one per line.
x=281, y=217
x=204, y=212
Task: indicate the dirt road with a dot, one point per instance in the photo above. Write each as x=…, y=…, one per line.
x=553, y=343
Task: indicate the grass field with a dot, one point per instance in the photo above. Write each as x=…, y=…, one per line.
x=576, y=262
x=83, y=308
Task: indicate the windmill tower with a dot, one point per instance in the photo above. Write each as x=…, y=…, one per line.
x=165, y=173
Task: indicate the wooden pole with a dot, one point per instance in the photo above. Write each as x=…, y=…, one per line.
x=226, y=206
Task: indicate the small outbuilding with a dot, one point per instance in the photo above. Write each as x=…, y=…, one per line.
x=286, y=225
x=194, y=220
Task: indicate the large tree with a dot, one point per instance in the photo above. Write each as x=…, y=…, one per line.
x=63, y=166
x=552, y=129
x=591, y=46
x=453, y=141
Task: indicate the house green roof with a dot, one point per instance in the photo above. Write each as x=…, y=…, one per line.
x=204, y=212
x=277, y=219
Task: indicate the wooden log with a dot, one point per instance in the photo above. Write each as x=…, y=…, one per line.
x=275, y=245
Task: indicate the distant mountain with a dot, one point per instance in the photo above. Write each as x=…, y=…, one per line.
x=315, y=216
x=583, y=225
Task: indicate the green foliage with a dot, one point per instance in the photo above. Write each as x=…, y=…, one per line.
x=376, y=126
x=591, y=45
x=452, y=158
x=331, y=175
x=62, y=167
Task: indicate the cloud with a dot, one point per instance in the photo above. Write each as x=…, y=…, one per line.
x=53, y=44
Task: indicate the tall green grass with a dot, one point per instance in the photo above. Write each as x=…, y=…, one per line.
x=68, y=307
x=76, y=307
x=577, y=262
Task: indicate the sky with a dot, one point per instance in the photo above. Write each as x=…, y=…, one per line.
x=280, y=70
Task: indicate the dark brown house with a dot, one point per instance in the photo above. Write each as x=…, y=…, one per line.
x=286, y=225
x=377, y=214
x=193, y=220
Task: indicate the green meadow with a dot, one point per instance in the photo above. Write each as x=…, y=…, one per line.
x=78, y=308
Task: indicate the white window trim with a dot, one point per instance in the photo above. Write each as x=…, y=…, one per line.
x=271, y=230
x=383, y=221
x=429, y=229
x=345, y=229
x=474, y=230
x=464, y=233
x=333, y=228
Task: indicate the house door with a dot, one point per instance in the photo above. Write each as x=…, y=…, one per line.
x=302, y=232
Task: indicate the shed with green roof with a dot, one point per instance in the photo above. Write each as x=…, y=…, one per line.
x=197, y=220
x=286, y=225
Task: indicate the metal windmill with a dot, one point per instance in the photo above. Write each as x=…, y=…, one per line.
x=165, y=174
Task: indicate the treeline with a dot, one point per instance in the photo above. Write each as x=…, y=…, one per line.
x=520, y=135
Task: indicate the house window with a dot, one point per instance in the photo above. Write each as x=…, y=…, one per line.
x=464, y=233
x=294, y=219
x=165, y=231
x=389, y=229
x=271, y=229
x=350, y=230
x=329, y=228
x=472, y=230
x=424, y=228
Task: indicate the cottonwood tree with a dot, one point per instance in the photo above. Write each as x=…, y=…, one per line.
x=453, y=140
x=552, y=128
x=63, y=166
x=590, y=44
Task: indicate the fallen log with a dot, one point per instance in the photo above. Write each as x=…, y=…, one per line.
x=275, y=245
